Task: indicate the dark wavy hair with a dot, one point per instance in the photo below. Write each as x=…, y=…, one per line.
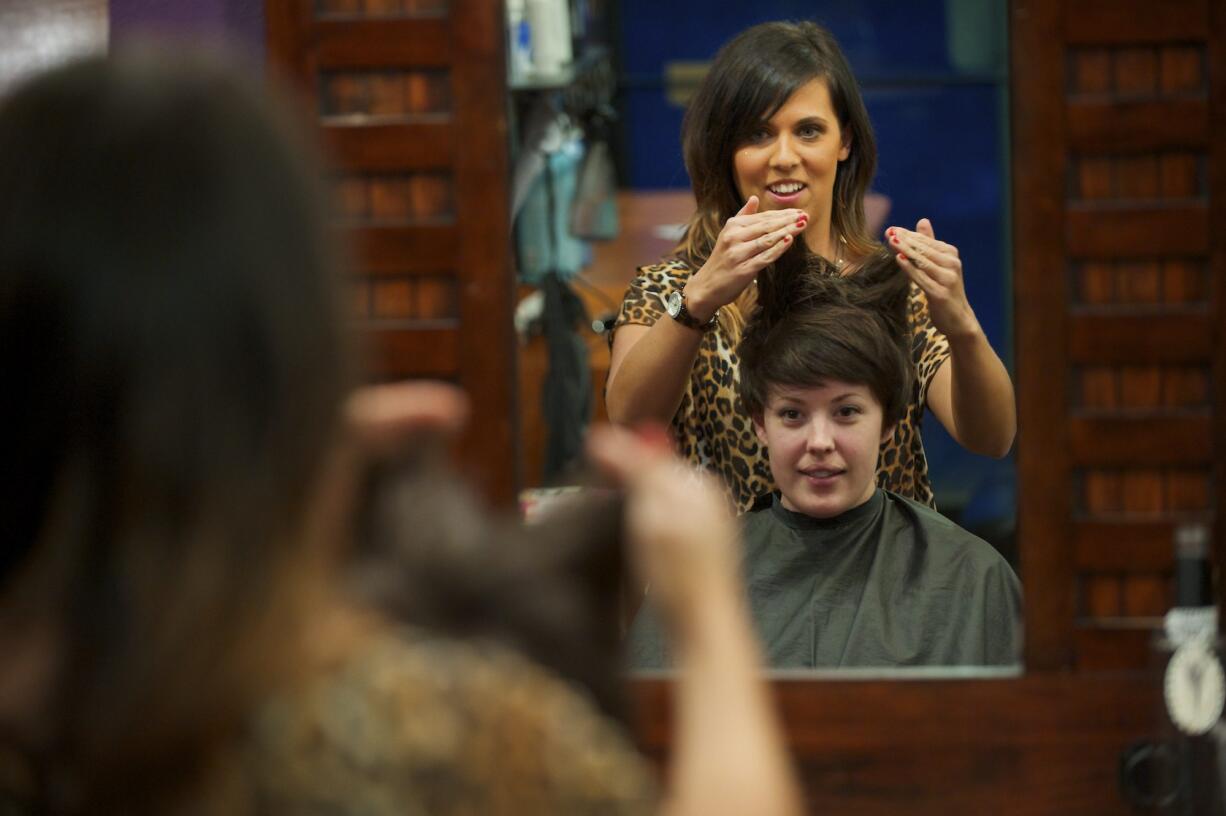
x=817, y=326
x=174, y=349
x=752, y=76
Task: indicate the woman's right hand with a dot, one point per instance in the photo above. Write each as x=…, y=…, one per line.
x=682, y=535
x=749, y=242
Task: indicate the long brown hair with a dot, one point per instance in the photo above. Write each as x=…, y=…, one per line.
x=173, y=343
x=751, y=78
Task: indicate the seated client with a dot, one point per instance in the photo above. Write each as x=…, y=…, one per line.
x=839, y=571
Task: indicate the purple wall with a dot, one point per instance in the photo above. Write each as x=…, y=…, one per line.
x=237, y=22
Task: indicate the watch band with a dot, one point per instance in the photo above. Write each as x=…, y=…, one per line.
x=676, y=307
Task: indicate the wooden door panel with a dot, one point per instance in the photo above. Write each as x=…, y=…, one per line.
x=1118, y=250
x=410, y=99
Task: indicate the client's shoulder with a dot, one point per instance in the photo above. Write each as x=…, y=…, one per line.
x=946, y=540
x=759, y=516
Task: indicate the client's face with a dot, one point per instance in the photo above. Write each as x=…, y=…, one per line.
x=791, y=159
x=823, y=443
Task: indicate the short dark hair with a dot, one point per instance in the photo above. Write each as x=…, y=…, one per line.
x=817, y=325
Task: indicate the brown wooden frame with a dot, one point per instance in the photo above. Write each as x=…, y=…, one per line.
x=475, y=347
x=1039, y=745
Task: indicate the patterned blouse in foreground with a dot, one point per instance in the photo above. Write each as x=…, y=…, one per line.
x=416, y=725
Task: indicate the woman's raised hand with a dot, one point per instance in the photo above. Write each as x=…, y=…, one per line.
x=387, y=419
x=749, y=242
x=682, y=536
x=936, y=268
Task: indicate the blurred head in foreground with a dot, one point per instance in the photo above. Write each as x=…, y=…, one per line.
x=174, y=359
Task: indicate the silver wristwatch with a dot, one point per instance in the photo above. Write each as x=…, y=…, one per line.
x=675, y=306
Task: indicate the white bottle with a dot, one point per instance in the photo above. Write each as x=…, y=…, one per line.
x=551, y=44
x=519, y=40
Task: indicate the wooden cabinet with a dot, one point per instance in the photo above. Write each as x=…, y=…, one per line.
x=410, y=97
x=1120, y=256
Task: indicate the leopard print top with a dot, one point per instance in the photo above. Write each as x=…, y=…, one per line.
x=712, y=428
x=414, y=724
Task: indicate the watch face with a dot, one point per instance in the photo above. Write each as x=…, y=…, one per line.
x=673, y=304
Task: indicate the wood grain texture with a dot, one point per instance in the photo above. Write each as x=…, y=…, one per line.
x=407, y=249
x=381, y=147
x=1131, y=22
x=1138, y=282
x=1189, y=492
x=1115, y=646
x=1135, y=71
x=440, y=299
x=1038, y=83
x=1124, y=546
x=1101, y=491
x=1090, y=71
x=1185, y=281
x=1037, y=745
x=1217, y=268
x=1140, y=387
x=1148, y=440
x=1142, y=491
x=1101, y=232
x=399, y=354
x=1100, y=388
x=1115, y=125
x=392, y=299
x=1094, y=283
x=1146, y=596
x=1181, y=176
x=481, y=171
x=1183, y=336
x=1101, y=596
x=389, y=43
x=1182, y=69
x=1185, y=387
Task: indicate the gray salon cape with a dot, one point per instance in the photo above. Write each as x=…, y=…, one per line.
x=888, y=583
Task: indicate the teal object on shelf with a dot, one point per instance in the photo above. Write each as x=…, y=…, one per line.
x=542, y=229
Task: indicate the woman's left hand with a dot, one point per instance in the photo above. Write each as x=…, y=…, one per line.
x=937, y=270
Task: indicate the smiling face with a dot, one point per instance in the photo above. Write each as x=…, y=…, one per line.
x=791, y=159
x=823, y=442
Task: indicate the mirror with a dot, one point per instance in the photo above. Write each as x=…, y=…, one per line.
x=935, y=81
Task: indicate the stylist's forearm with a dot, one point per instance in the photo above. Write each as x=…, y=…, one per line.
x=650, y=380
x=983, y=402
x=730, y=755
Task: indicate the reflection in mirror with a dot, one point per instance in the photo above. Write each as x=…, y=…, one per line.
x=938, y=121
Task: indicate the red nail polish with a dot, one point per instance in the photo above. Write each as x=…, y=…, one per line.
x=895, y=240
x=787, y=238
x=654, y=435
